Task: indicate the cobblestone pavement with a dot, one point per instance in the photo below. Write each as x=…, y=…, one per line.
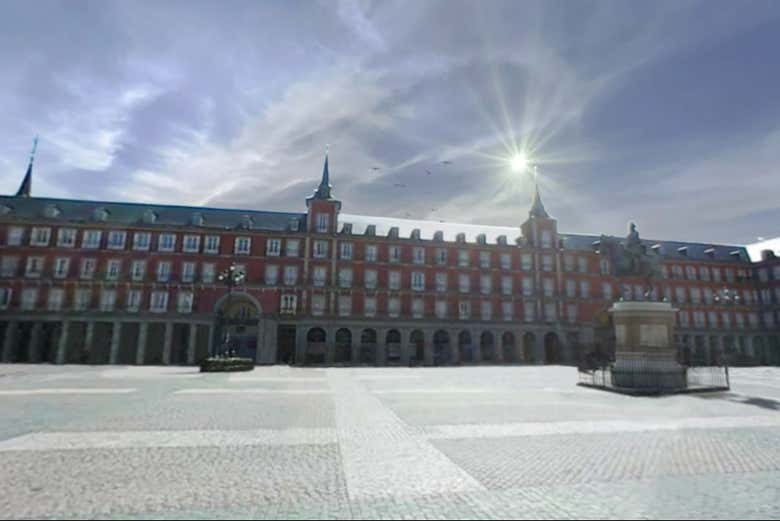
x=388, y=443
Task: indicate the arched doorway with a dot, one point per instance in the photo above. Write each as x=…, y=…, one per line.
x=237, y=321
x=315, y=346
x=487, y=347
x=508, y=348
x=699, y=350
x=759, y=350
x=368, y=347
x=417, y=341
x=441, y=348
x=529, y=348
x=465, y=348
x=343, y=354
x=393, y=347
x=552, y=348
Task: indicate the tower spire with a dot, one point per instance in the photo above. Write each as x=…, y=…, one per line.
x=26, y=186
x=323, y=191
x=537, y=207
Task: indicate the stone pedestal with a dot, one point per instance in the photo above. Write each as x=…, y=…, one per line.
x=645, y=354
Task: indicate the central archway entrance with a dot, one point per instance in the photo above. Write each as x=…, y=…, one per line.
x=441, y=348
x=238, y=318
x=552, y=348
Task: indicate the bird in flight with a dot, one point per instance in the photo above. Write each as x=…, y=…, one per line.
x=427, y=171
x=445, y=162
x=375, y=168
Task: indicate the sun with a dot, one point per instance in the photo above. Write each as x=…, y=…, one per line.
x=519, y=162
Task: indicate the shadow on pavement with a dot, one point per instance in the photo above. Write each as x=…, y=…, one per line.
x=764, y=403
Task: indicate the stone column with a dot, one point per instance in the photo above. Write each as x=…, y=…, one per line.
x=33, y=353
x=166, y=357
x=211, y=341
x=428, y=348
x=193, y=340
x=498, y=347
x=749, y=349
x=330, y=345
x=540, y=355
x=406, y=347
x=476, y=345
x=116, y=332
x=9, y=340
x=454, y=347
x=88, y=336
x=300, y=344
x=140, y=352
x=62, y=343
x=380, y=355
x=356, y=346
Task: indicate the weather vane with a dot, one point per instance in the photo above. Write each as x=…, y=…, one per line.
x=34, y=148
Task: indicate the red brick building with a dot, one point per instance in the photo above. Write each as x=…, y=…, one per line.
x=102, y=282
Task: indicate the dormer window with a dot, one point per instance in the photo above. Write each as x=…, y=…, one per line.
x=5, y=209
x=371, y=230
x=295, y=225
x=197, y=219
x=461, y=237
x=682, y=250
x=347, y=229
x=247, y=222
x=393, y=234
x=501, y=240
x=710, y=251
x=657, y=248
x=416, y=234
x=323, y=222
x=100, y=215
x=150, y=217
x=438, y=236
x=481, y=239
x=51, y=211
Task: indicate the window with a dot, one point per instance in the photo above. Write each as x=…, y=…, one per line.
x=273, y=247
x=345, y=277
x=695, y=296
x=184, y=304
x=464, y=283
x=582, y=264
x=639, y=292
x=441, y=256
x=571, y=313
x=571, y=288
x=163, y=271
x=441, y=282
x=418, y=308
x=529, y=312
x=763, y=275
x=506, y=285
x=716, y=274
x=90, y=239
x=549, y=312
x=345, y=250
x=766, y=296
x=211, y=244
x=371, y=253
x=704, y=273
x=9, y=266
x=712, y=318
x=604, y=266
x=290, y=275
x=116, y=240
x=34, y=267
x=138, y=270
x=568, y=263
x=486, y=310
x=726, y=319
x=683, y=318
x=320, y=276
x=15, y=235
x=690, y=272
x=730, y=276
x=293, y=246
x=5, y=297
x=158, y=301
x=485, y=284
x=506, y=261
x=188, y=271
x=66, y=237
x=769, y=319
x=345, y=305
x=166, y=242
x=464, y=309
x=547, y=262
x=418, y=281
x=289, y=303
x=394, y=307
x=113, y=269
x=83, y=300
x=61, y=267
x=394, y=253
x=418, y=255
x=584, y=289
x=753, y=319
x=739, y=319
x=606, y=290
x=320, y=249
x=271, y=274
x=677, y=272
x=394, y=280
x=56, y=297
x=463, y=258
x=242, y=245
x=208, y=272
x=317, y=305
x=776, y=272
x=107, y=299
x=528, y=287
x=526, y=262
x=484, y=259
x=369, y=279
x=679, y=294
x=191, y=243
x=708, y=295
x=40, y=236
x=141, y=241
x=369, y=306
x=699, y=318
x=546, y=239
x=29, y=298
x=548, y=287
x=133, y=300
x=507, y=310
x=441, y=309
x=323, y=220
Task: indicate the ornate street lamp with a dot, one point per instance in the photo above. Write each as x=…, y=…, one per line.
x=729, y=298
x=231, y=277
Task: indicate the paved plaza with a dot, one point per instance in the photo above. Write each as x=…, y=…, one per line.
x=462, y=442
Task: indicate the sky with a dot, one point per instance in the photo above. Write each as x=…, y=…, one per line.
x=662, y=113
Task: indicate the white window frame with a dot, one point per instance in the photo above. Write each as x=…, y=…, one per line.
x=418, y=255
x=184, y=301
x=166, y=242
x=372, y=253
x=40, y=236
x=15, y=236
x=242, y=245
x=133, y=300
x=345, y=250
x=506, y=261
x=66, y=237
x=320, y=250
x=273, y=247
x=418, y=281
x=290, y=275
x=292, y=248
x=211, y=244
x=113, y=243
x=87, y=268
x=188, y=270
x=271, y=276
x=114, y=265
x=6, y=294
x=82, y=299
x=345, y=277
x=191, y=243
x=32, y=262
x=107, y=299
x=163, y=271
x=142, y=241
x=394, y=280
x=29, y=299
x=369, y=306
x=90, y=239
x=55, y=299
x=158, y=301
x=370, y=279
x=208, y=272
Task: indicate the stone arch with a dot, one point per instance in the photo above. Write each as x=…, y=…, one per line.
x=237, y=322
x=393, y=347
x=368, y=346
x=343, y=346
x=316, y=345
x=508, y=348
x=759, y=349
x=487, y=346
x=552, y=348
x=529, y=348
x=441, y=348
x=465, y=347
x=237, y=296
x=417, y=346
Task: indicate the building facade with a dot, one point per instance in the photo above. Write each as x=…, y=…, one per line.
x=120, y=283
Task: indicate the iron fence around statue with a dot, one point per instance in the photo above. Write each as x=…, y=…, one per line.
x=639, y=377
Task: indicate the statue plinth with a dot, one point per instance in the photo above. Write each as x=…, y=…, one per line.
x=645, y=354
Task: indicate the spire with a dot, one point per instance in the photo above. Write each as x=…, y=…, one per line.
x=537, y=208
x=26, y=186
x=323, y=191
